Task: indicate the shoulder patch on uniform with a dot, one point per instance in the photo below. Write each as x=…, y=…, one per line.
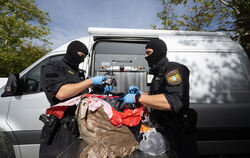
x=51, y=75
x=173, y=77
x=71, y=72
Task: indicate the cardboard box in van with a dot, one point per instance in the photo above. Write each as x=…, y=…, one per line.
x=219, y=85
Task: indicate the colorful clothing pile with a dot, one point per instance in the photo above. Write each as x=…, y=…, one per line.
x=129, y=117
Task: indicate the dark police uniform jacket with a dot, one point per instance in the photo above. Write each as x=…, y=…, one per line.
x=54, y=75
x=172, y=79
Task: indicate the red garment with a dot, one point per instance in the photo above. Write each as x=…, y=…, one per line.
x=57, y=110
x=129, y=117
x=60, y=108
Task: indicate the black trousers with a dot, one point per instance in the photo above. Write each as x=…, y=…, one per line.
x=184, y=145
x=63, y=138
x=188, y=146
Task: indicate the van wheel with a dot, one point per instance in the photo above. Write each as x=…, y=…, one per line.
x=6, y=149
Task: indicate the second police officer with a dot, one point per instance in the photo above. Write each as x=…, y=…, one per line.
x=168, y=99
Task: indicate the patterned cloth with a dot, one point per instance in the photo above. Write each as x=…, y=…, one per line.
x=130, y=117
x=60, y=108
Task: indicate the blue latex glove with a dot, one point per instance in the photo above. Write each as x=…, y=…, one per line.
x=134, y=90
x=108, y=88
x=97, y=80
x=129, y=98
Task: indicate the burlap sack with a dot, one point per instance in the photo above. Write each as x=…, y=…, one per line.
x=103, y=138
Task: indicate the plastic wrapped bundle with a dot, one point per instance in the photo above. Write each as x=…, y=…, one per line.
x=153, y=143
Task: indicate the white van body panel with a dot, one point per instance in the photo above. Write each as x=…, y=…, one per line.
x=30, y=106
x=30, y=151
x=3, y=81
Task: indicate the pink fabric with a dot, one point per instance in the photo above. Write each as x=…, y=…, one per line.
x=96, y=103
x=70, y=102
x=129, y=117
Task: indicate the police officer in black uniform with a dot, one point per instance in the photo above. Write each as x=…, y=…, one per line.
x=169, y=101
x=60, y=81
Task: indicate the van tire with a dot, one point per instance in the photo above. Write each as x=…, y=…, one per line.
x=6, y=149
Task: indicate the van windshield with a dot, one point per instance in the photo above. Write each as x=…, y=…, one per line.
x=215, y=77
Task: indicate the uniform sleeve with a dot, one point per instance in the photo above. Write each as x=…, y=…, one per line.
x=51, y=80
x=177, y=87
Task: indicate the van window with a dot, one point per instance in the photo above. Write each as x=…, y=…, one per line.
x=215, y=77
x=119, y=54
x=58, y=57
x=32, y=79
x=120, y=48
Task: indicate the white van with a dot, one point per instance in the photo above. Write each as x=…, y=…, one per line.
x=219, y=86
x=3, y=81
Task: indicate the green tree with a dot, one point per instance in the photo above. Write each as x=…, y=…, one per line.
x=21, y=22
x=231, y=16
x=16, y=61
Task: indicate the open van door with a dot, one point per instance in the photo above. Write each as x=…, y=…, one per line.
x=125, y=59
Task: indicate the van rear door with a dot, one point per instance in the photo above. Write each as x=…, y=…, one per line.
x=125, y=58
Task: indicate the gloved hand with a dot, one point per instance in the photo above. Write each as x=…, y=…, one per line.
x=129, y=98
x=108, y=88
x=97, y=79
x=134, y=90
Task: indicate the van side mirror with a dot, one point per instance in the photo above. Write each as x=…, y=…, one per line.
x=31, y=85
x=12, y=87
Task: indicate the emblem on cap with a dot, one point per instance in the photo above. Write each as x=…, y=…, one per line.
x=173, y=77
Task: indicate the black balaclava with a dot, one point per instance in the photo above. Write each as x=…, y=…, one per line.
x=159, y=51
x=71, y=57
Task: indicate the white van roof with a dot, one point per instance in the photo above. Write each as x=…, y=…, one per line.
x=95, y=31
x=176, y=40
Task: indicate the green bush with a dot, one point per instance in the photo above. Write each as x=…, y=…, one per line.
x=17, y=61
